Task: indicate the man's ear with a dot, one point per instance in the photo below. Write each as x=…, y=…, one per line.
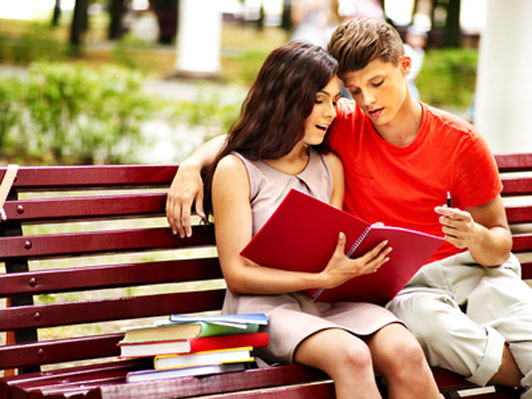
x=405, y=63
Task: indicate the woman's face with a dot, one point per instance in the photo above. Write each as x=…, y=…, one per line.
x=323, y=113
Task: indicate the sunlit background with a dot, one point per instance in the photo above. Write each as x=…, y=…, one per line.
x=184, y=67
x=472, y=18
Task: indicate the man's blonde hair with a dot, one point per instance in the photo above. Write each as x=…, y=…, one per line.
x=357, y=42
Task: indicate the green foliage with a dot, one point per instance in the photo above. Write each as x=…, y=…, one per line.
x=46, y=298
x=244, y=66
x=89, y=115
x=36, y=43
x=74, y=114
x=10, y=112
x=448, y=77
x=208, y=110
x=110, y=126
x=126, y=52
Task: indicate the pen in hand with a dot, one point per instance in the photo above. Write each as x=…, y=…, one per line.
x=449, y=205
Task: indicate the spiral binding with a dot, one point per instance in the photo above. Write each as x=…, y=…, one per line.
x=358, y=242
x=348, y=254
x=317, y=294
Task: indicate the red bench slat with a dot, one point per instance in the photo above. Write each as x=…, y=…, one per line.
x=57, y=351
x=58, y=209
x=517, y=186
x=33, y=247
x=518, y=214
x=169, y=388
x=81, y=391
x=64, y=280
x=522, y=242
x=57, y=314
x=216, y=384
x=514, y=162
x=71, y=375
x=68, y=177
x=321, y=390
x=526, y=270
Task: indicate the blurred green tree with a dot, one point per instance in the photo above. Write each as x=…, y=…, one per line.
x=56, y=13
x=117, y=10
x=80, y=23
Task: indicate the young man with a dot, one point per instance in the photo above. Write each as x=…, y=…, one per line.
x=468, y=307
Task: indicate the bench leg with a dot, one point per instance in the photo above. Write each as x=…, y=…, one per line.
x=10, y=340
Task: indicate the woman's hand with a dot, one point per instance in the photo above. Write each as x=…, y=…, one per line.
x=340, y=268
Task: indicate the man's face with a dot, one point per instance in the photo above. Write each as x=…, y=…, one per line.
x=380, y=89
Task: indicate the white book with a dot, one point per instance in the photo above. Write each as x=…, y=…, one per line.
x=234, y=320
x=151, y=375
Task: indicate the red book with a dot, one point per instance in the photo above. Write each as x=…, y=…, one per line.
x=302, y=233
x=192, y=345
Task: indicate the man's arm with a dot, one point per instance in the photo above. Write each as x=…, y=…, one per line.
x=187, y=187
x=482, y=229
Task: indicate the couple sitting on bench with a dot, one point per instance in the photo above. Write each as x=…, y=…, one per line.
x=466, y=310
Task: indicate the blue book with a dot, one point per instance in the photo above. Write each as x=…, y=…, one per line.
x=233, y=320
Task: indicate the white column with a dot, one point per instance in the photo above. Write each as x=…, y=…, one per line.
x=199, y=38
x=503, y=103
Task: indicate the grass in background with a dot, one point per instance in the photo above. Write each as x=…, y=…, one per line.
x=23, y=42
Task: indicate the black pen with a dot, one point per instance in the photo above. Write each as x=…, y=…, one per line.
x=449, y=200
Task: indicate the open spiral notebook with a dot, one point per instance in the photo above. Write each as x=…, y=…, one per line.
x=302, y=233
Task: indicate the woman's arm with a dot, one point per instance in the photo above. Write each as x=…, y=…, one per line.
x=233, y=227
x=187, y=187
x=337, y=170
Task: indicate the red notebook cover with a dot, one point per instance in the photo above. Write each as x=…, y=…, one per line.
x=192, y=345
x=302, y=233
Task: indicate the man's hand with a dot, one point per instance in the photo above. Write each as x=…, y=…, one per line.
x=459, y=227
x=482, y=229
x=186, y=189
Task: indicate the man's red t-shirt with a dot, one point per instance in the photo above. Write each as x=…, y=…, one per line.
x=400, y=186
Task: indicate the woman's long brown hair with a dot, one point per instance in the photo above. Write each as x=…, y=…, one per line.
x=272, y=117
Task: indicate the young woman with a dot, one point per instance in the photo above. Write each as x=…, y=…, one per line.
x=275, y=146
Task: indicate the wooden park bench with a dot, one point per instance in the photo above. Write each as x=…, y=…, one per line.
x=72, y=285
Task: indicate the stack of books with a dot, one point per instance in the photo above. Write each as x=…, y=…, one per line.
x=194, y=345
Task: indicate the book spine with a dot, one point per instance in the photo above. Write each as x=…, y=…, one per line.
x=228, y=341
x=357, y=242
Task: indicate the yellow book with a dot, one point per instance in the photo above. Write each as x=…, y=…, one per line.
x=232, y=355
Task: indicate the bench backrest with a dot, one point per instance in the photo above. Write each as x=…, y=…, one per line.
x=516, y=174
x=55, y=266
x=123, y=263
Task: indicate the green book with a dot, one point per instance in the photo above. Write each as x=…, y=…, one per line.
x=173, y=331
